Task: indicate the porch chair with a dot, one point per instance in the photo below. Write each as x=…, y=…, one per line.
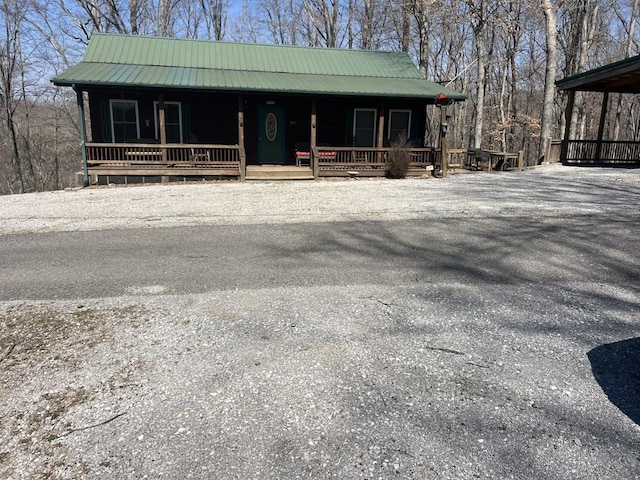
x=200, y=155
x=303, y=154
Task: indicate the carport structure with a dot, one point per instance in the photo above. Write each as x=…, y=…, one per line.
x=618, y=77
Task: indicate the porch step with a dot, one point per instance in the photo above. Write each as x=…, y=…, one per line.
x=277, y=172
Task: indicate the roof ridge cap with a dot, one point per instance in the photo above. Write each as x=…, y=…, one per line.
x=248, y=44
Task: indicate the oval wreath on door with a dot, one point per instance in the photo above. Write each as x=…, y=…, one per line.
x=271, y=126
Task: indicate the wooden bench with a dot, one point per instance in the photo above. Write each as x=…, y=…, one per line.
x=143, y=155
x=352, y=166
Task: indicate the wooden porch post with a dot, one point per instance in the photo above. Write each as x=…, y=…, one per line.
x=243, y=158
x=83, y=136
x=603, y=118
x=312, y=146
x=163, y=134
x=444, y=148
x=380, y=142
x=567, y=127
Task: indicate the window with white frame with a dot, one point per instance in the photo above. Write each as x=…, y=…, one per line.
x=172, y=121
x=399, y=125
x=364, y=127
x=124, y=120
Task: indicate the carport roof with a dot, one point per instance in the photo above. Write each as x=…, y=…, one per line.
x=618, y=77
x=160, y=62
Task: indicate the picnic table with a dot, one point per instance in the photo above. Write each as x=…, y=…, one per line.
x=478, y=159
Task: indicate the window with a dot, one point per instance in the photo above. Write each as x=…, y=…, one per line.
x=364, y=127
x=172, y=121
x=124, y=120
x=399, y=124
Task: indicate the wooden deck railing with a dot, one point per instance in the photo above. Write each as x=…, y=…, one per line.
x=615, y=152
x=131, y=156
x=367, y=161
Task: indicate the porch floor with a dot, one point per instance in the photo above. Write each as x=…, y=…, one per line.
x=278, y=172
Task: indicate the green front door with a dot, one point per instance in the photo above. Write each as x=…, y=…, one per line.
x=271, y=134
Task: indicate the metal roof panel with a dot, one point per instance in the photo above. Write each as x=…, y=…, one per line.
x=235, y=80
x=173, y=52
x=125, y=60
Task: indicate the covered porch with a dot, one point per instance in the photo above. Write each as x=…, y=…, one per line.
x=620, y=77
x=219, y=161
x=158, y=135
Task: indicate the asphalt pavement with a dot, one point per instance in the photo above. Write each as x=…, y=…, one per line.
x=479, y=345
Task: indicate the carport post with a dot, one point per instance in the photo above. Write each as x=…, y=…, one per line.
x=564, y=148
x=83, y=136
x=603, y=119
x=444, y=149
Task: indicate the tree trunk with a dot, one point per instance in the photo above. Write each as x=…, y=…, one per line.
x=478, y=24
x=367, y=24
x=324, y=16
x=628, y=51
x=133, y=16
x=478, y=124
x=8, y=64
x=551, y=32
x=421, y=14
x=406, y=28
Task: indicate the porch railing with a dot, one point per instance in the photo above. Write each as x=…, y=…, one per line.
x=130, y=156
x=369, y=160
x=592, y=151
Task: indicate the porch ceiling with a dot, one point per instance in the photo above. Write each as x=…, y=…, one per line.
x=619, y=77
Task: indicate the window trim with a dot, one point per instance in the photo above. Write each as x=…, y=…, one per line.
x=399, y=110
x=375, y=123
x=156, y=119
x=113, y=122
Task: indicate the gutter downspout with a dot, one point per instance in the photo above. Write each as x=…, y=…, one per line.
x=83, y=135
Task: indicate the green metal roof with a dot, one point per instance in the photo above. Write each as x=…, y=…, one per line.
x=156, y=62
x=622, y=77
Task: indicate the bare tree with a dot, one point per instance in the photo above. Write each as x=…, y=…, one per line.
x=422, y=12
x=579, y=20
x=281, y=20
x=479, y=17
x=367, y=29
x=164, y=18
x=214, y=13
x=244, y=26
x=12, y=19
x=551, y=32
x=324, y=16
x=629, y=29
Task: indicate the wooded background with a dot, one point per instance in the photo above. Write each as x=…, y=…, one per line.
x=505, y=55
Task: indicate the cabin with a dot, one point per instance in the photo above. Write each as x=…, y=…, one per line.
x=174, y=109
x=619, y=77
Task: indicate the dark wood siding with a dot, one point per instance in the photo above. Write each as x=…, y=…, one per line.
x=212, y=117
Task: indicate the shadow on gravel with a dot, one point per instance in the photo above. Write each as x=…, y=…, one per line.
x=616, y=367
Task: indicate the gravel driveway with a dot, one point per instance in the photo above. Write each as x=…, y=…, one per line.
x=529, y=369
